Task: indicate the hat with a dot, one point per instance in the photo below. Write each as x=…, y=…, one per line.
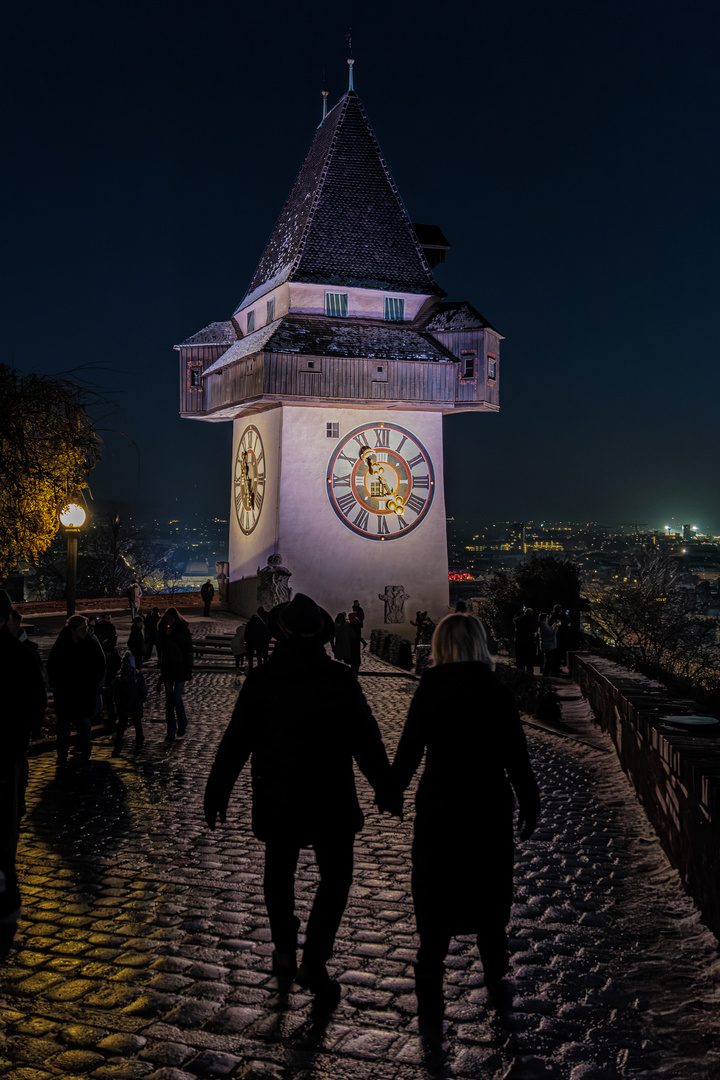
x=6, y=604
x=129, y=660
x=301, y=618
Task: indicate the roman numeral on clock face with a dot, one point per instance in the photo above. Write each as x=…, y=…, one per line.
x=414, y=502
x=346, y=503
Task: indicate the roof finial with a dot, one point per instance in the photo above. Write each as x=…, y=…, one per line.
x=348, y=38
x=325, y=97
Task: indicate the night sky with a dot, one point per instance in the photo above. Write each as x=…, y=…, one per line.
x=569, y=151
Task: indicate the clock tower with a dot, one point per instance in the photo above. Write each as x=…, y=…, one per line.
x=336, y=370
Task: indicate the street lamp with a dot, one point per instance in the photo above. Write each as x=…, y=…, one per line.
x=72, y=517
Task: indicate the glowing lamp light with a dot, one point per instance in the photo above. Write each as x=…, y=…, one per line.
x=72, y=516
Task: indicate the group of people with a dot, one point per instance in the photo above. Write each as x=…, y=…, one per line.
x=88, y=676
x=542, y=640
x=348, y=641
x=302, y=720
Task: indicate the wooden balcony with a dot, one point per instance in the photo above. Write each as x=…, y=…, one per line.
x=277, y=378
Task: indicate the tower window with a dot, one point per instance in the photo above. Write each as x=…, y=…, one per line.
x=251, y=321
x=394, y=309
x=336, y=303
x=270, y=310
x=492, y=366
x=332, y=431
x=194, y=375
x=468, y=361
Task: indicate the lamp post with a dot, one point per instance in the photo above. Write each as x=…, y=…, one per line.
x=71, y=518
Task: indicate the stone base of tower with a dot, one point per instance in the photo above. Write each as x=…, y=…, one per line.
x=325, y=558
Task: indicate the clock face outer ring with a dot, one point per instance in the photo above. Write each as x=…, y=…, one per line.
x=249, y=490
x=404, y=457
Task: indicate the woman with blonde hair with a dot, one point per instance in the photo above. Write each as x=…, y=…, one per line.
x=468, y=727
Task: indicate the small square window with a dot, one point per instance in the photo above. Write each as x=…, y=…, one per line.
x=336, y=303
x=394, y=309
x=332, y=431
x=251, y=321
x=311, y=363
x=270, y=310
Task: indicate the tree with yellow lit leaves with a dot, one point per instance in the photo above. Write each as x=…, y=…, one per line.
x=47, y=446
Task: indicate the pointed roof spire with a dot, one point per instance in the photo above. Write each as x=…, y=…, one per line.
x=344, y=222
x=350, y=79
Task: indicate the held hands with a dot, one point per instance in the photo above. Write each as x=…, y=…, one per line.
x=214, y=806
x=526, y=824
x=390, y=803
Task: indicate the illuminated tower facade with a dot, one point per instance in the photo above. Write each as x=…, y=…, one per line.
x=336, y=370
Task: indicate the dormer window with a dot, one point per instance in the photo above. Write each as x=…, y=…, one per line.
x=336, y=303
x=394, y=309
x=270, y=311
x=251, y=321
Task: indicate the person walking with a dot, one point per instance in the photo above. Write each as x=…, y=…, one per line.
x=23, y=711
x=136, y=640
x=257, y=640
x=548, y=643
x=355, y=641
x=76, y=670
x=302, y=719
x=134, y=595
x=175, y=653
x=130, y=693
x=462, y=853
x=207, y=592
x=525, y=634
x=360, y=616
x=341, y=645
x=151, y=632
x=237, y=647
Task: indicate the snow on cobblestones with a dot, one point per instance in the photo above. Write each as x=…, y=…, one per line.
x=144, y=948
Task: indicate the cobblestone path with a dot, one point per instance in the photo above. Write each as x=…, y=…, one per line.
x=144, y=949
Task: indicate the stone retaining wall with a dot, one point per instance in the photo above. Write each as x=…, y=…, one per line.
x=676, y=776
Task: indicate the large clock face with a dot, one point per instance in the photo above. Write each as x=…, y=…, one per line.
x=380, y=481
x=249, y=479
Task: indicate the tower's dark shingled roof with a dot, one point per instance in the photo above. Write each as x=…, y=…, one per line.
x=316, y=335
x=453, y=315
x=216, y=333
x=344, y=222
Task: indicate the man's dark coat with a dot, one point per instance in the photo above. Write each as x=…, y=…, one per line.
x=302, y=718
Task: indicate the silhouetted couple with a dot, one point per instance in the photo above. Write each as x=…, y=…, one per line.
x=303, y=719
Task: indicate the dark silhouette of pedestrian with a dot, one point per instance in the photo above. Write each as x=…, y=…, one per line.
x=136, y=640
x=559, y=618
x=257, y=640
x=76, y=672
x=130, y=692
x=341, y=645
x=526, y=644
x=302, y=719
x=360, y=615
x=106, y=632
x=23, y=712
x=548, y=643
x=207, y=592
x=462, y=855
x=152, y=621
x=355, y=641
x=175, y=653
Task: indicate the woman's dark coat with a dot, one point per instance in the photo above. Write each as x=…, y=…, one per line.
x=76, y=672
x=468, y=726
x=176, y=653
x=303, y=718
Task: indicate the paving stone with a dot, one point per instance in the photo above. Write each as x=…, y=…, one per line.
x=165, y=923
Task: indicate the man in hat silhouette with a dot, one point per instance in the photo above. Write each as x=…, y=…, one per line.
x=303, y=718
